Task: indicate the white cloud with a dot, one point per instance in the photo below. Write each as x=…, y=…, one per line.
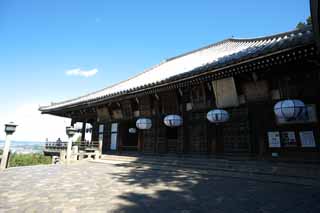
x=34, y=126
x=83, y=73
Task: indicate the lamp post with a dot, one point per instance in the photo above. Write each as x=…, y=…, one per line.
x=70, y=132
x=9, y=129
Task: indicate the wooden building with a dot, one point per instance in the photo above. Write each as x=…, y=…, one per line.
x=244, y=77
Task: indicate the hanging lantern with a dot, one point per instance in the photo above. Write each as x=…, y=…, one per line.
x=218, y=116
x=144, y=123
x=289, y=109
x=173, y=120
x=132, y=130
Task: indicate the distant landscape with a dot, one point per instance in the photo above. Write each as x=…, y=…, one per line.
x=26, y=153
x=25, y=147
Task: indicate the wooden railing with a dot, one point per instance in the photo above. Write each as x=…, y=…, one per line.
x=82, y=145
x=56, y=145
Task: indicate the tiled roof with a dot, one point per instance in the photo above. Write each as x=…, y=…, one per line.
x=216, y=55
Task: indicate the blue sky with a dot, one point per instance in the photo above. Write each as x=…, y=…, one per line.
x=41, y=40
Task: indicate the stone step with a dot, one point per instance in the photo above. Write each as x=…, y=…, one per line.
x=213, y=160
x=241, y=166
x=139, y=166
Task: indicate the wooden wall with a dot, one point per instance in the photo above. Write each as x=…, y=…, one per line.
x=246, y=132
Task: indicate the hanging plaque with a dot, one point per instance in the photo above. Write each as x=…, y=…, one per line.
x=307, y=139
x=274, y=139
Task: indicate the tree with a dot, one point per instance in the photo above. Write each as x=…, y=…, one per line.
x=309, y=21
x=301, y=25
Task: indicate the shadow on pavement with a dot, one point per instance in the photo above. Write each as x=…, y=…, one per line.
x=153, y=190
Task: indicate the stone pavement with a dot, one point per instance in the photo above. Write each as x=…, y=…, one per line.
x=95, y=187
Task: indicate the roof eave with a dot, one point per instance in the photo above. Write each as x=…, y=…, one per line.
x=67, y=108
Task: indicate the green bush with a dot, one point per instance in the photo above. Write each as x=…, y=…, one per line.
x=28, y=159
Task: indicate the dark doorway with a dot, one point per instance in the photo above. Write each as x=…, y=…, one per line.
x=172, y=137
x=129, y=140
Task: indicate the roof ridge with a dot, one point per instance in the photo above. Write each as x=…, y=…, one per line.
x=304, y=29
x=199, y=49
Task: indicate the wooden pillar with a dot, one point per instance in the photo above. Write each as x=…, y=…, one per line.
x=140, y=140
x=95, y=131
x=83, y=131
x=119, y=137
x=209, y=138
x=144, y=139
x=157, y=123
x=218, y=139
x=73, y=121
x=186, y=135
x=156, y=126
x=185, y=99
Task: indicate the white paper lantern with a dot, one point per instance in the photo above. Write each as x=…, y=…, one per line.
x=218, y=116
x=144, y=123
x=173, y=120
x=289, y=109
x=132, y=130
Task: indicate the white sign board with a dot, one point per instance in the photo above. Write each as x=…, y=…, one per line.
x=288, y=139
x=113, y=145
x=101, y=128
x=307, y=139
x=274, y=139
x=114, y=127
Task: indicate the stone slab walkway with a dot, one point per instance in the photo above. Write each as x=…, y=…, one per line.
x=94, y=187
